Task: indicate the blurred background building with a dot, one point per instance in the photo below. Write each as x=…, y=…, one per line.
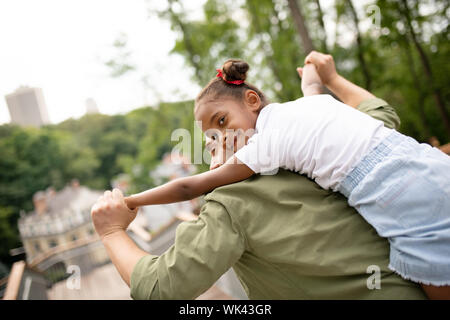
x=27, y=107
x=91, y=106
x=59, y=220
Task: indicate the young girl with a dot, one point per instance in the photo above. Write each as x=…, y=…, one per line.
x=399, y=186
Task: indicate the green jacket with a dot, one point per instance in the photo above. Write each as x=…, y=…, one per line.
x=284, y=236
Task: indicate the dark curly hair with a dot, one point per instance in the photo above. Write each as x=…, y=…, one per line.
x=218, y=87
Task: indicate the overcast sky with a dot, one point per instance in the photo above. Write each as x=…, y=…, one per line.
x=61, y=47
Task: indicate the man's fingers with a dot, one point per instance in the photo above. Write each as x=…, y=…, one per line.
x=107, y=195
x=117, y=194
x=94, y=208
x=119, y=200
x=110, y=200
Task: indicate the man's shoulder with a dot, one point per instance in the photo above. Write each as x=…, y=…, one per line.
x=260, y=191
x=380, y=110
x=280, y=180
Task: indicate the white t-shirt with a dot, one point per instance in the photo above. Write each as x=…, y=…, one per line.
x=315, y=135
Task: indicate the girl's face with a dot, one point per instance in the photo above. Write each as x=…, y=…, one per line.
x=225, y=121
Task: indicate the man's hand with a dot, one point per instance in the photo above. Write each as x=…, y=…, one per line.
x=324, y=64
x=111, y=218
x=110, y=213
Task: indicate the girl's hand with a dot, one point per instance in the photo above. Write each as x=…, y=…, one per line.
x=324, y=64
x=129, y=203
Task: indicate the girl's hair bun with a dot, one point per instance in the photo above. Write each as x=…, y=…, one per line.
x=235, y=70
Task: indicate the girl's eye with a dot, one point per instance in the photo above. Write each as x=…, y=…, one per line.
x=222, y=121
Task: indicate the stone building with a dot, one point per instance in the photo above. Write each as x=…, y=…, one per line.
x=59, y=232
x=27, y=107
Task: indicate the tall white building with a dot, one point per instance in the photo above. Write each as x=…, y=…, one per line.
x=27, y=107
x=91, y=106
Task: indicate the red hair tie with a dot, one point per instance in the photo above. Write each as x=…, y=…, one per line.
x=220, y=75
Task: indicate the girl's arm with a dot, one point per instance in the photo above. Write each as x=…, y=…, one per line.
x=188, y=188
x=348, y=92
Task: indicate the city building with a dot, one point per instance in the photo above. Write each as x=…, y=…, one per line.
x=91, y=106
x=59, y=231
x=27, y=107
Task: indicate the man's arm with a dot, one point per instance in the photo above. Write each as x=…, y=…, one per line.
x=204, y=249
x=111, y=218
x=123, y=252
x=380, y=110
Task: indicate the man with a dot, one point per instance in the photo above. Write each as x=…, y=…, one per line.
x=284, y=236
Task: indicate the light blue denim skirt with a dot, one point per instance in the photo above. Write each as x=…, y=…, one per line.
x=402, y=188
